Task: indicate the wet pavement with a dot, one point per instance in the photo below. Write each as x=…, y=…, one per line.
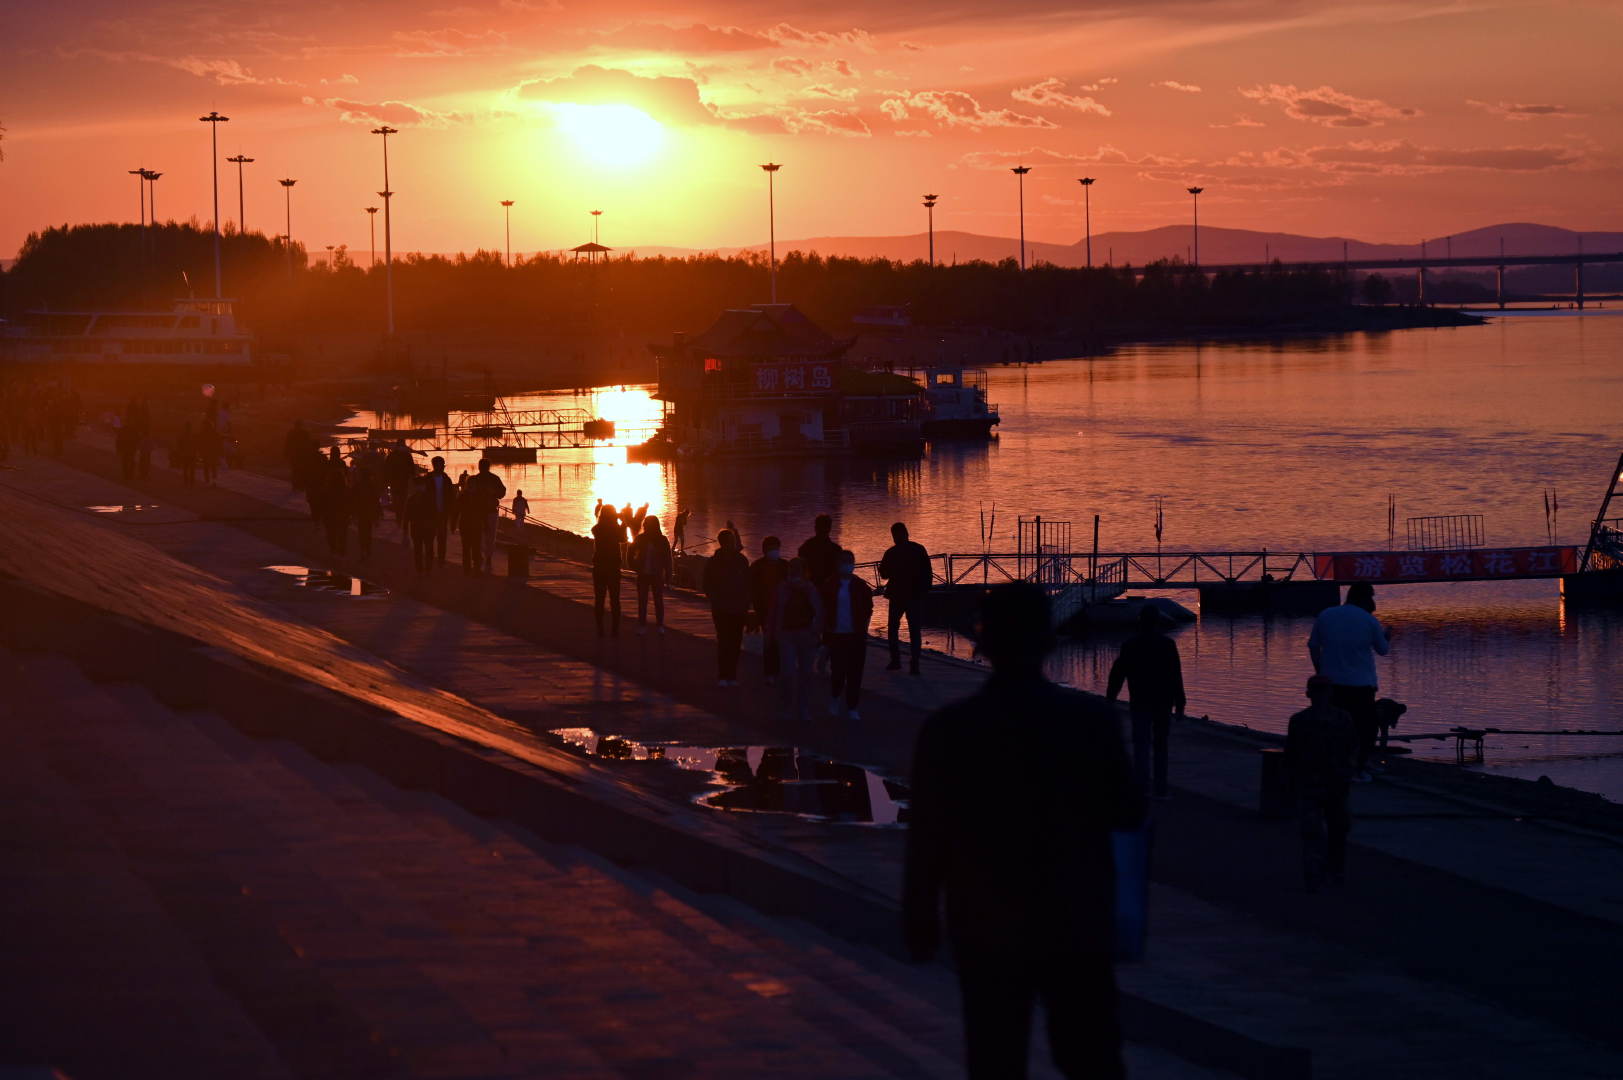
x=331, y=581
x=762, y=779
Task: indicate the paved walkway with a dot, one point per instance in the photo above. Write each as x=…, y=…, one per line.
x=184, y=901
x=1456, y=951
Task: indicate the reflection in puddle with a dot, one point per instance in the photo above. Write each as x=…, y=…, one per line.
x=127, y=508
x=330, y=581
x=765, y=779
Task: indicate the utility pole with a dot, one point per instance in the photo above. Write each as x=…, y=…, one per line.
x=1087, y=215
x=287, y=190
x=929, y=205
x=214, y=120
x=771, y=169
x=1020, y=172
x=507, y=209
x=242, y=217
x=388, y=230
x=1194, y=257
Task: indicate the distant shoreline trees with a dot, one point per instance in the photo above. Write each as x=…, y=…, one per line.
x=111, y=266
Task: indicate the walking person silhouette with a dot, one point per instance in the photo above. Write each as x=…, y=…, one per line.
x=1027, y=879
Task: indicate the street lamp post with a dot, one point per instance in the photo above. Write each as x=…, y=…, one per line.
x=287, y=191
x=1087, y=216
x=1020, y=172
x=771, y=169
x=596, y=216
x=214, y=120
x=1195, y=255
x=141, y=188
x=372, y=224
x=929, y=205
x=507, y=210
x=151, y=178
x=387, y=195
x=242, y=217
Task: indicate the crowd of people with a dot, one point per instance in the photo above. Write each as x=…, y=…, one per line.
x=36, y=415
x=427, y=506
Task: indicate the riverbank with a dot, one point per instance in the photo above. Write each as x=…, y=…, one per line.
x=1244, y=963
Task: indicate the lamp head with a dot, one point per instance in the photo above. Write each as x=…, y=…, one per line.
x=385, y=131
x=287, y=183
x=771, y=166
x=507, y=202
x=1020, y=170
x=371, y=209
x=1086, y=181
x=1196, y=190
x=213, y=118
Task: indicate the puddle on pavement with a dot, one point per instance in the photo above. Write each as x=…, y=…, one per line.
x=764, y=779
x=127, y=508
x=330, y=581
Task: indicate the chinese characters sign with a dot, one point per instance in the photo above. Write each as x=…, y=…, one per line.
x=793, y=378
x=1478, y=563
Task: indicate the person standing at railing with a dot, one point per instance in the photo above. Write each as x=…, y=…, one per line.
x=1152, y=670
x=521, y=510
x=907, y=575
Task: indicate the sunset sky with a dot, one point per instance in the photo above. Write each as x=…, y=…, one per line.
x=1385, y=122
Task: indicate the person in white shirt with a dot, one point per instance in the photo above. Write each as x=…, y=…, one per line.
x=1344, y=643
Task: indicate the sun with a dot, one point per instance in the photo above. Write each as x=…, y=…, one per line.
x=611, y=134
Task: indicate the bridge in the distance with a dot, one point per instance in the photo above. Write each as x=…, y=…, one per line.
x=1497, y=263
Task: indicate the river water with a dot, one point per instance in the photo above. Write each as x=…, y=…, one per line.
x=1284, y=445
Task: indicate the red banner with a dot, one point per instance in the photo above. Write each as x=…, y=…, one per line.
x=1475, y=564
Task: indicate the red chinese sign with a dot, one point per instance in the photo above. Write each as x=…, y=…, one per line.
x=793, y=378
x=1472, y=565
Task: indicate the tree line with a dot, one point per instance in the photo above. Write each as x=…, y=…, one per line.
x=291, y=295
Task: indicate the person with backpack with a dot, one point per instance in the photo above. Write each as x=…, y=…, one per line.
x=797, y=612
x=651, y=561
x=423, y=522
x=847, y=610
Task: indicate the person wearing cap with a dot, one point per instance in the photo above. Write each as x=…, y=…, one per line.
x=1026, y=879
x=1344, y=643
x=1321, y=754
x=1150, y=667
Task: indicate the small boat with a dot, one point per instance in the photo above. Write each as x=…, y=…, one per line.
x=957, y=400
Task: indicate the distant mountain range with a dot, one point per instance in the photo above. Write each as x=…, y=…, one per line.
x=1217, y=245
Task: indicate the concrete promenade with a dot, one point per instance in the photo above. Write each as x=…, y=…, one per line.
x=1467, y=942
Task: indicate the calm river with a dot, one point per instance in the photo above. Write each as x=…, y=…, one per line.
x=1289, y=445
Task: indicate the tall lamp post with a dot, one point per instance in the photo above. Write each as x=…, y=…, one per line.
x=929, y=205
x=1020, y=172
x=771, y=169
x=1087, y=216
x=507, y=210
x=596, y=216
x=287, y=191
x=141, y=188
x=242, y=218
x=151, y=178
x=1195, y=257
x=372, y=224
x=214, y=120
x=387, y=195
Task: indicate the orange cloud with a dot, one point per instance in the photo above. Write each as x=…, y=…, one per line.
x=954, y=108
x=388, y=112
x=1327, y=106
x=1051, y=93
x=665, y=97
